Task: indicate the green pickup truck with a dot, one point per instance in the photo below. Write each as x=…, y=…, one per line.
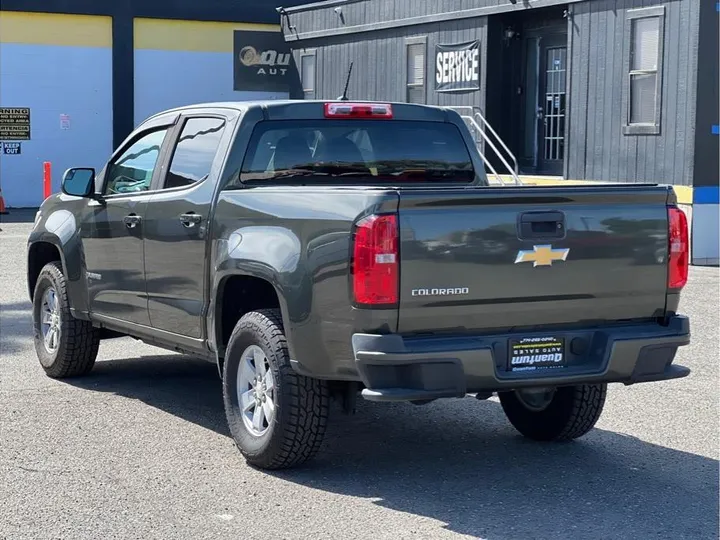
x=319, y=251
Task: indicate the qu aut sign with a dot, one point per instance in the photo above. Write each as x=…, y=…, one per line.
x=457, y=67
x=262, y=61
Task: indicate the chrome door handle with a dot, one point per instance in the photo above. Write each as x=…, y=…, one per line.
x=190, y=219
x=131, y=221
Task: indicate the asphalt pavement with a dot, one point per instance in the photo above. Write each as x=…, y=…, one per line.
x=140, y=449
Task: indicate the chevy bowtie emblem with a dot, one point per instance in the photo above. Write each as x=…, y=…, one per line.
x=542, y=255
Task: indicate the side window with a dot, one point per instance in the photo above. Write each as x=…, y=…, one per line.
x=133, y=170
x=307, y=74
x=644, y=71
x=195, y=152
x=415, y=70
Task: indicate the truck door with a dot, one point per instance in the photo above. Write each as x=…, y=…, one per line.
x=177, y=219
x=113, y=243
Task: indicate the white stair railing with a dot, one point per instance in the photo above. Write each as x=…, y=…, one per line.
x=481, y=130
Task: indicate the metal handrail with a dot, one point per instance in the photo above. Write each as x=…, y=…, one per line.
x=514, y=170
x=477, y=112
x=492, y=169
x=475, y=125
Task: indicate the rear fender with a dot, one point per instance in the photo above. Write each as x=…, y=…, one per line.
x=263, y=252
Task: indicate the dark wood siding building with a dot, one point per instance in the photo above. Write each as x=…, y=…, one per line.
x=589, y=90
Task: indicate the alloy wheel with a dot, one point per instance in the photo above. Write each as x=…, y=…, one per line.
x=256, y=391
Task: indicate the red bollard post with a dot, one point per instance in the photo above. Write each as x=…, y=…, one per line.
x=47, y=179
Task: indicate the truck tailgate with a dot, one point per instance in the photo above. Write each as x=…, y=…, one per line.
x=485, y=259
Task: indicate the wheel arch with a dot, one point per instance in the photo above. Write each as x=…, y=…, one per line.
x=237, y=294
x=45, y=247
x=39, y=254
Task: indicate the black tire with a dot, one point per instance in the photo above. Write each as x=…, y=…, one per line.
x=78, y=343
x=301, y=403
x=572, y=412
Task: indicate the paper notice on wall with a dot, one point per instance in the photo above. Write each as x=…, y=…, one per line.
x=64, y=121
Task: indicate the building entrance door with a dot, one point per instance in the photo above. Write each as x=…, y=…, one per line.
x=551, y=104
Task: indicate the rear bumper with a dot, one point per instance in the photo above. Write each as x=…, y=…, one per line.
x=394, y=368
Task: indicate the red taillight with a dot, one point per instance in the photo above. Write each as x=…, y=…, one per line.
x=358, y=110
x=678, y=259
x=375, y=261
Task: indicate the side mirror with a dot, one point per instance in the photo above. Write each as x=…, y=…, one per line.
x=79, y=182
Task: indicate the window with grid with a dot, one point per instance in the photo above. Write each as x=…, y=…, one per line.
x=307, y=74
x=643, y=89
x=416, y=73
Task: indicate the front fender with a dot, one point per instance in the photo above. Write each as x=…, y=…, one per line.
x=60, y=229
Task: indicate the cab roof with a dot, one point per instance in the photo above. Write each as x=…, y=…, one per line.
x=300, y=109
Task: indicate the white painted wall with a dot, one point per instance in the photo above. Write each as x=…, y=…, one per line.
x=53, y=80
x=165, y=79
x=706, y=234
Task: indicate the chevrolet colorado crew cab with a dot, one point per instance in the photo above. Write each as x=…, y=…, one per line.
x=320, y=251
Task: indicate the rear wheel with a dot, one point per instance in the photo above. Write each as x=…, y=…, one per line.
x=65, y=346
x=555, y=414
x=277, y=417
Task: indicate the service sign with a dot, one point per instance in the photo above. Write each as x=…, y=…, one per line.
x=263, y=61
x=457, y=67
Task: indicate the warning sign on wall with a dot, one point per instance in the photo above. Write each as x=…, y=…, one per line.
x=14, y=124
x=11, y=148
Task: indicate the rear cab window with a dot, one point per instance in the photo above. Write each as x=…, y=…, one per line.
x=354, y=151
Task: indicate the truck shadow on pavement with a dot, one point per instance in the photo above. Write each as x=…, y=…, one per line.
x=18, y=215
x=459, y=462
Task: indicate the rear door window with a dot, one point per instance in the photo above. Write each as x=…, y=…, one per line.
x=195, y=152
x=378, y=152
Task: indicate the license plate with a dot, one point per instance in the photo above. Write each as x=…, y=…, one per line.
x=529, y=354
